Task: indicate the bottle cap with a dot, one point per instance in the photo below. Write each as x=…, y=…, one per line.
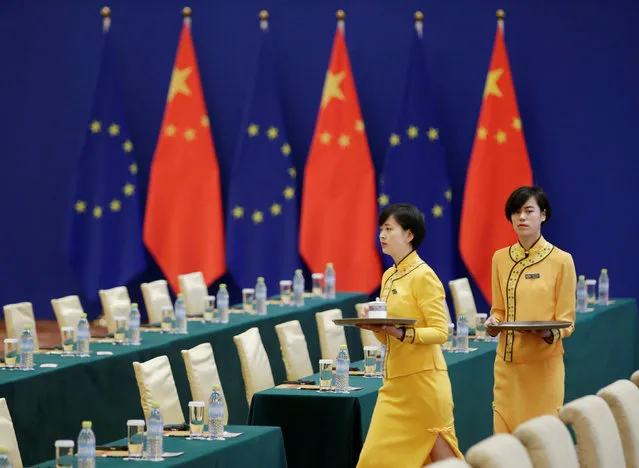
x=180, y=295
x=329, y=264
x=260, y=278
x=343, y=346
x=134, y=305
x=27, y=326
x=216, y=387
x=298, y=271
x=86, y=424
x=222, y=286
x=604, y=270
x=4, y=450
x=582, y=277
x=83, y=315
x=155, y=404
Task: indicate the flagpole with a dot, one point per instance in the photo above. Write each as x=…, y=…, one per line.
x=419, y=23
x=501, y=14
x=264, y=20
x=106, y=18
x=187, y=13
x=341, y=16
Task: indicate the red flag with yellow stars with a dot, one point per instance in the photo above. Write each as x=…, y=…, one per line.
x=339, y=212
x=183, y=225
x=498, y=165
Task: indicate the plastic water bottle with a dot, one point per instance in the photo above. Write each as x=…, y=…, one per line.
x=180, y=315
x=343, y=362
x=216, y=414
x=26, y=349
x=134, y=325
x=83, y=336
x=462, y=333
x=298, y=288
x=329, y=281
x=604, y=287
x=4, y=458
x=223, y=303
x=86, y=446
x=260, y=296
x=154, y=433
x=582, y=294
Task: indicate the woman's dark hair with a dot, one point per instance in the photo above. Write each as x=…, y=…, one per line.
x=520, y=196
x=409, y=218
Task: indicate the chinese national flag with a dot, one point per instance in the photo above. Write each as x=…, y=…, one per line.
x=183, y=225
x=498, y=165
x=339, y=212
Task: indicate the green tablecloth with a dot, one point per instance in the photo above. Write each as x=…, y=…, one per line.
x=332, y=427
x=257, y=446
x=49, y=404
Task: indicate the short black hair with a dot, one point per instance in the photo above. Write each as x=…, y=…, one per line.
x=409, y=218
x=520, y=196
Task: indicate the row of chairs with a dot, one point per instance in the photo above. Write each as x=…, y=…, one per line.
x=606, y=427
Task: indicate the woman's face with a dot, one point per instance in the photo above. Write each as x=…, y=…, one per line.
x=527, y=220
x=394, y=239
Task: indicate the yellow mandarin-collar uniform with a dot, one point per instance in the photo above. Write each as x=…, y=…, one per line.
x=538, y=284
x=413, y=279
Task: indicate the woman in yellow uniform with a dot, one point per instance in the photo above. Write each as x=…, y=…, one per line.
x=531, y=280
x=412, y=423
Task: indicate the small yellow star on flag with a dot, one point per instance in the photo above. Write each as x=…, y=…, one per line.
x=238, y=212
x=412, y=132
x=359, y=126
x=276, y=209
x=289, y=192
x=438, y=211
x=170, y=130
x=128, y=189
x=115, y=205
x=272, y=133
x=286, y=149
x=127, y=146
x=257, y=217
x=482, y=133
x=517, y=123
x=433, y=134
x=394, y=139
x=189, y=134
x=95, y=126
x=114, y=129
x=500, y=137
x=382, y=200
x=80, y=206
x=325, y=138
x=253, y=130
x=97, y=212
x=204, y=121
x=344, y=140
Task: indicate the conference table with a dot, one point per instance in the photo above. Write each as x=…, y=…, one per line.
x=328, y=429
x=50, y=403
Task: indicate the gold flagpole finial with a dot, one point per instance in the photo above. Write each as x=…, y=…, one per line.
x=187, y=12
x=263, y=15
x=340, y=15
x=419, y=16
x=105, y=12
x=501, y=14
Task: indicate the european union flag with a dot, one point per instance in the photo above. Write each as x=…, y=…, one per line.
x=262, y=216
x=105, y=239
x=415, y=168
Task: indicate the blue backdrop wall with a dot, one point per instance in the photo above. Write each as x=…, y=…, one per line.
x=575, y=67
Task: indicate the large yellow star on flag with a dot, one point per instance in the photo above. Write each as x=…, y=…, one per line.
x=276, y=209
x=438, y=211
x=257, y=216
x=332, y=88
x=382, y=199
x=492, y=80
x=238, y=212
x=179, y=83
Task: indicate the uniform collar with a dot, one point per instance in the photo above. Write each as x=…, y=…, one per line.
x=408, y=261
x=519, y=250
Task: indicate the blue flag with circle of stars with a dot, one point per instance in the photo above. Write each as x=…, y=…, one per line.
x=262, y=216
x=415, y=169
x=105, y=237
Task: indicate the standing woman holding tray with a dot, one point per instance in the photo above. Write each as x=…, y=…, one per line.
x=412, y=423
x=532, y=280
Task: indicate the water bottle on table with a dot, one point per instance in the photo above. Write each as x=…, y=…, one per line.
x=134, y=325
x=342, y=364
x=329, y=282
x=86, y=446
x=582, y=294
x=180, y=315
x=154, y=434
x=223, y=303
x=604, y=287
x=26, y=349
x=84, y=336
x=298, y=288
x=216, y=414
x=260, y=296
x=462, y=333
x=4, y=458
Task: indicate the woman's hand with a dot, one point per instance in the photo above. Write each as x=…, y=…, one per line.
x=491, y=322
x=542, y=334
x=387, y=329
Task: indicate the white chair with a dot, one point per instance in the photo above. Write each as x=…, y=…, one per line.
x=201, y=371
x=256, y=368
x=194, y=288
x=463, y=299
x=598, y=441
x=8, y=435
x=499, y=451
x=622, y=398
x=450, y=463
x=18, y=315
x=548, y=442
x=115, y=302
x=156, y=297
x=331, y=336
x=67, y=311
x=156, y=384
x=367, y=336
x=635, y=378
x=294, y=350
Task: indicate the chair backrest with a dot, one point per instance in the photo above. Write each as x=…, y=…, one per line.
x=194, y=288
x=16, y=316
x=635, y=378
x=115, y=302
x=294, y=350
x=67, y=311
x=598, y=441
x=548, y=442
x=367, y=336
x=622, y=398
x=8, y=437
x=463, y=299
x=201, y=371
x=256, y=368
x=331, y=336
x=156, y=384
x=156, y=296
x=450, y=463
x=499, y=451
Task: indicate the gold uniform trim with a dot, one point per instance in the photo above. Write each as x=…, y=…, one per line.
x=395, y=276
x=522, y=261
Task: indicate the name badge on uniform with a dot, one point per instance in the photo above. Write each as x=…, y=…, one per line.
x=532, y=276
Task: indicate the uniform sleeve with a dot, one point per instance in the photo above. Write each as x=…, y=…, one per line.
x=565, y=292
x=498, y=309
x=430, y=296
